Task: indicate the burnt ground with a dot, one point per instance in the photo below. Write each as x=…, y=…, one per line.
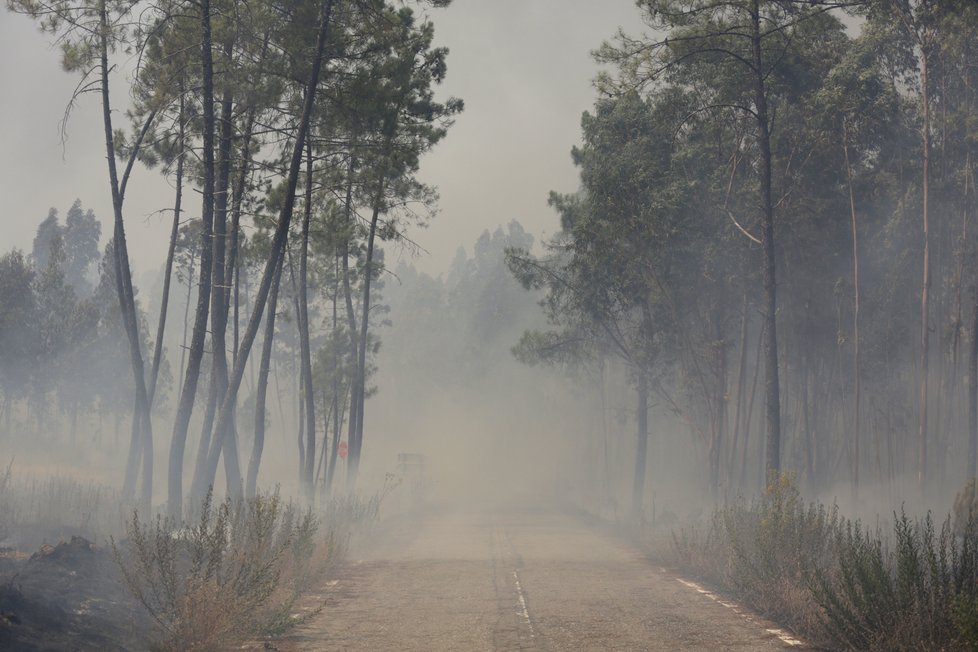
x=519, y=580
x=68, y=597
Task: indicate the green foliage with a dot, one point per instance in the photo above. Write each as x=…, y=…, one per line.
x=837, y=583
x=900, y=599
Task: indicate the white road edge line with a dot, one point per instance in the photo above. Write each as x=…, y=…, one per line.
x=785, y=637
x=522, y=610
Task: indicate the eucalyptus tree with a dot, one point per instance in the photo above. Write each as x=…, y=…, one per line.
x=908, y=28
x=610, y=271
x=748, y=40
x=856, y=107
x=18, y=331
x=82, y=232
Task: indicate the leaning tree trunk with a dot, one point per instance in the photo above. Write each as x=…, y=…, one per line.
x=168, y=273
x=251, y=484
x=142, y=434
x=196, y=353
x=279, y=238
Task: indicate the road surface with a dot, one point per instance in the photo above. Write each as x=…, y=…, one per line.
x=528, y=580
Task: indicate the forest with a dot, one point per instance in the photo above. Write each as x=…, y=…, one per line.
x=765, y=283
x=299, y=118
x=774, y=237
x=802, y=168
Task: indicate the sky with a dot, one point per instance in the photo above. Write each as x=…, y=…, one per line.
x=523, y=68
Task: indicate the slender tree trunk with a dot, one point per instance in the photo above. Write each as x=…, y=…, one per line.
x=856, y=367
x=279, y=238
x=300, y=438
x=641, y=452
x=973, y=353
x=719, y=427
x=237, y=199
x=195, y=356
x=142, y=439
x=335, y=406
x=305, y=353
x=741, y=381
x=168, y=273
x=186, y=321
x=322, y=452
x=220, y=295
x=771, y=379
x=750, y=410
x=350, y=315
x=925, y=284
x=262, y=390
x=361, y=375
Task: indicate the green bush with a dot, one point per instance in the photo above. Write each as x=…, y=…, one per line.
x=838, y=584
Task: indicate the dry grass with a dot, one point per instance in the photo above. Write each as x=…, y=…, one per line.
x=36, y=510
x=232, y=574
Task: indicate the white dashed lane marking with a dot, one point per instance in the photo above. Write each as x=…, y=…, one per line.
x=784, y=636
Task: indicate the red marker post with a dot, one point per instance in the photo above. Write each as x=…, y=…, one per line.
x=342, y=450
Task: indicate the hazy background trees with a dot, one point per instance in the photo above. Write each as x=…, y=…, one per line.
x=768, y=264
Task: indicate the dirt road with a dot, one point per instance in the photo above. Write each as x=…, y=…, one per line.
x=531, y=580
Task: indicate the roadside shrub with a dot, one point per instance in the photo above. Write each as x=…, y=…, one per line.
x=233, y=574
x=881, y=599
x=838, y=584
x=763, y=551
x=776, y=543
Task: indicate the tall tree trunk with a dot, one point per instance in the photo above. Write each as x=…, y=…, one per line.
x=350, y=315
x=741, y=381
x=641, y=452
x=361, y=375
x=335, y=406
x=219, y=313
x=251, y=484
x=237, y=199
x=718, y=428
x=279, y=239
x=302, y=297
x=925, y=284
x=973, y=352
x=168, y=273
x=856, y=367
x=142, y=439
x=750, y=409
x=771, y=380
x=195, y=356
x=186, y=322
